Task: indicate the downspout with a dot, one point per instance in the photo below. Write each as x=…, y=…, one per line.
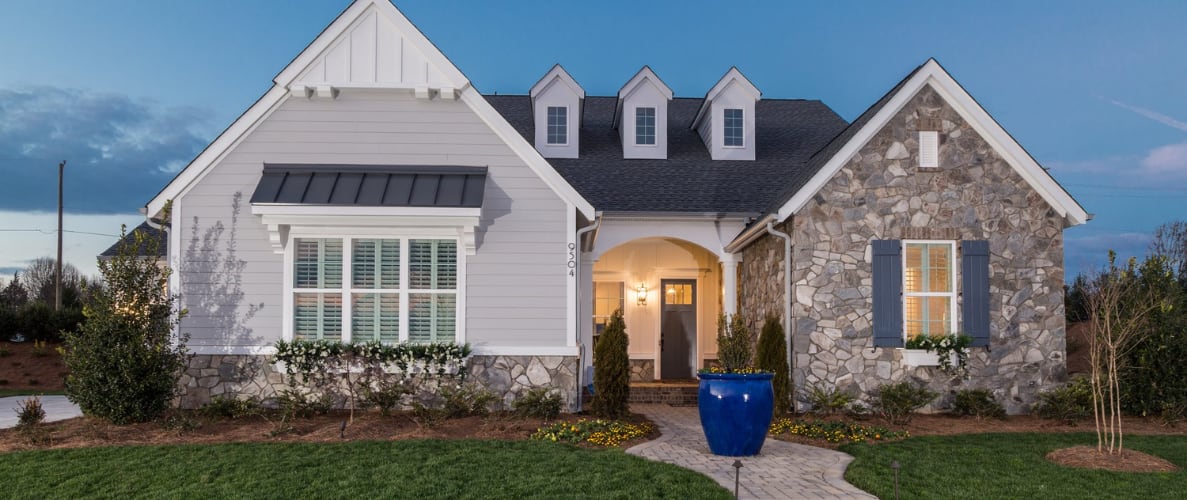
x=577, y=331
x=786, y=297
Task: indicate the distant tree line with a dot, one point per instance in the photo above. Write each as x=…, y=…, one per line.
x=27, y=301
x=1137, y=313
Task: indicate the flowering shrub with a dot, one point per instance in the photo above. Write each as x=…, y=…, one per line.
x=305, y=357
x=598, y=432
x=946, y=348
x=834, y=432
x=357, y=368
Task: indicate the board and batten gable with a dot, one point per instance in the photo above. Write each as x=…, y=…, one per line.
x=515, y=282
x=881, y=193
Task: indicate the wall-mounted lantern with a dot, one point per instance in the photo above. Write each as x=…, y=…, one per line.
x=641, y=295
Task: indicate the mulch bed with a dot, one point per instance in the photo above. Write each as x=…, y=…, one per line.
x=21, y=369
x=1088, y=457
x=369, y=425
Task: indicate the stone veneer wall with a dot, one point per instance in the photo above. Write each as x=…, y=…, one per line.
x=882, y=194
x=209, y=376
x=642, y=370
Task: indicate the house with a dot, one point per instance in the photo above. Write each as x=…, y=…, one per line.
x=374, y=194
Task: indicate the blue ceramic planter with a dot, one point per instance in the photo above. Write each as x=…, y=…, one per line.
x=735, y=411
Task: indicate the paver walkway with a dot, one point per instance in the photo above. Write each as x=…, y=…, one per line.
x=782, y=470
x=56, y=408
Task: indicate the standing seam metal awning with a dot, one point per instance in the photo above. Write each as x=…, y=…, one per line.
x=448, y=186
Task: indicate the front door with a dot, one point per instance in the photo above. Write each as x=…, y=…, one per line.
x=678, y=329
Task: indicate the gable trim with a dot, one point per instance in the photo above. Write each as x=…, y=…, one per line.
x=931, y=73
x=278, y=94
x=526, y=151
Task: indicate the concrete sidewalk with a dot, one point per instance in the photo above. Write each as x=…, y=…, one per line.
x=782, y=470
x=56, y=408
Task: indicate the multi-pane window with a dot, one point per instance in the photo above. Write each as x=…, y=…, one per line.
x=929, y=296
x=735, y=128
x=396, y=289
x=558, y=125
x=609, y=296
x=645, y=126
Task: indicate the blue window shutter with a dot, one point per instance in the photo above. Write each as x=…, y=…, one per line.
x=888, y=293
x=974, y=276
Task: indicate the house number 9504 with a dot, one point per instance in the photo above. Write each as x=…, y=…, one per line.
x=572, y=259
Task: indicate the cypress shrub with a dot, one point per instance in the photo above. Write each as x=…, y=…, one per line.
x=772, y=357
x=612, y=371
x=734, y=343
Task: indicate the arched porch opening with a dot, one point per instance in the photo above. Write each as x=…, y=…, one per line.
x=671, y=293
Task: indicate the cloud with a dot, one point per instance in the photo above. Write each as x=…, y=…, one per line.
x=119, y=151
x=1153, y=115
x=1169, y=159
x=1161, y=168
x=1090, y=250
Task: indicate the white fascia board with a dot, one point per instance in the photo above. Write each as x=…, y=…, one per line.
x=495, y=350
x=241, y=350
x=557, y=73
x=348, y=18
x=1009, y=149
x=731, y=76
x=356, y=211
x=645, y=75
x=526, y=151
x=223, y=144
x=751, y=233
x=1006, y=146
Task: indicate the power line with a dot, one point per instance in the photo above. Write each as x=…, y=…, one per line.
x=42, y=231
x=1122, y=188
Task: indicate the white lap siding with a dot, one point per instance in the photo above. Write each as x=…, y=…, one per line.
x=515, y=284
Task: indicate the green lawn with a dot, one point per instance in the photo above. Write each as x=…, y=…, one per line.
x=1009, y=466
x=372, y=469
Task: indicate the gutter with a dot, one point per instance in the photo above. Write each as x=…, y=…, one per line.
x=577, y=331
x=751, y=233
x=770, y=229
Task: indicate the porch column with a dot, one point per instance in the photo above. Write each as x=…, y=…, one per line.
x=729, y=281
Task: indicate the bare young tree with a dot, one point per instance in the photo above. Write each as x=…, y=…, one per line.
x=1119, y=309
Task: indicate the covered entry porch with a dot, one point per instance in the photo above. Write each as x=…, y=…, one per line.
x=672, y=283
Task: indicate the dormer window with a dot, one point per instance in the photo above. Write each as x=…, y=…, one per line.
x=641, y=116
x=734, y=135
x=556, y=113
x=558, y=125
x=645, y=126
x=726, y=119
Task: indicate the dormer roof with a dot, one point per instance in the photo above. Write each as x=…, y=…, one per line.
x=555, y=75
x=645, y=76
x=731, y=77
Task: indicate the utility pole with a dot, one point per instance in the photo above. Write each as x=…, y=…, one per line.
x=58, y=271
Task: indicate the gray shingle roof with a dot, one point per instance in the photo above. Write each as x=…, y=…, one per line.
x=371, y=185
x=829, y=150
x=689, y=181
x=143, y=250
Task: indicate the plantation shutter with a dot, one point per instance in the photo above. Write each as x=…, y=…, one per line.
x=888, y=293
x=317, y=265
x=974, y=274
x=375, y=264
x=432, y=268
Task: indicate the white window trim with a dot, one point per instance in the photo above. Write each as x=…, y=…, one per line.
x=952, y=276
x=655, y=127
x=568, y=126
x=347, y=254
x=723, y=144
